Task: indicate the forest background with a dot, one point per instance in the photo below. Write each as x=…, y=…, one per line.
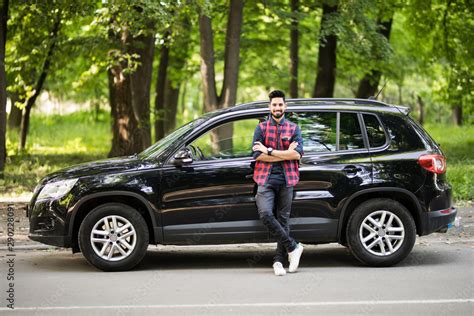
x=86, y=80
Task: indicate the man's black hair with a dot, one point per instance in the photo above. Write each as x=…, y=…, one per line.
x=277, y=94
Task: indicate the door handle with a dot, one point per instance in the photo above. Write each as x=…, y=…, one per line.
x=352, y=169
x=249, y=176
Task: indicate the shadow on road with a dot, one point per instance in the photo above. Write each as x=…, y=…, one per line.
x=208, y=258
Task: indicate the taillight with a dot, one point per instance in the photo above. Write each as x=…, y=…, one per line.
x=433, y=163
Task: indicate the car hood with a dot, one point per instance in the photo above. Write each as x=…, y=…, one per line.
x=105, y=166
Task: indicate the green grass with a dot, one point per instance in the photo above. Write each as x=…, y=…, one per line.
x=57, y=142
x=54, y=142
x=457, y=144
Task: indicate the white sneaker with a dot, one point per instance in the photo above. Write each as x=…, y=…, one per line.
x=278, y=269
x=294, y=258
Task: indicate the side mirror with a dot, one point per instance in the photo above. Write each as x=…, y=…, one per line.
x=183, y=157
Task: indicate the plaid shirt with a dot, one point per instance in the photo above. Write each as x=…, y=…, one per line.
x=266, y=132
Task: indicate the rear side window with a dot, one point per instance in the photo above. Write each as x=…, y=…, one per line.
x=350, y=134
x=319, y=131
x=375, y=132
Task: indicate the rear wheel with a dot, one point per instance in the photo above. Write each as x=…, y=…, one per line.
x=113, y=237
x=380, y=232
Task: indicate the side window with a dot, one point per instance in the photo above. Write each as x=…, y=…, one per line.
x=318, y=130
x=350, y=134
x=375, y=131
x=229, y=140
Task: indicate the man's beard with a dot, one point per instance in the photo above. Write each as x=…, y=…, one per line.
x=278, y=115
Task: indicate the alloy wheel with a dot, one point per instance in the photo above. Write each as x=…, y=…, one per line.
x=113, y=238
x=382, y=233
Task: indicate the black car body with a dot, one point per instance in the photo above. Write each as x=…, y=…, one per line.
x=360, y=155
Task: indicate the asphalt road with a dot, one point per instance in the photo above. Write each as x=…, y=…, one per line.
x=436, y=278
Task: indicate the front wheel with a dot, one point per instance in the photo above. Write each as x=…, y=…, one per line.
x=380, y=232
x=113, y=237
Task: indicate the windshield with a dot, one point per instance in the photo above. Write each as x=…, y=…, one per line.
x=159, y=147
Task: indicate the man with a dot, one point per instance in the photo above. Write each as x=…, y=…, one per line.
x=277, y=148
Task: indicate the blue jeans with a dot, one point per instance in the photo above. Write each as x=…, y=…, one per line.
x=267, y=196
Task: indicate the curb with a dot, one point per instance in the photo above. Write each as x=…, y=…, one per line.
x=31, y=247
x=14, y=200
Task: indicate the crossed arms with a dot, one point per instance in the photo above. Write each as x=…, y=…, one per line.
x=260, y=153
x=277, y=155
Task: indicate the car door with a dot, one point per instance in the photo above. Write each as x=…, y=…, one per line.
x=335, y=165
x=212, y=199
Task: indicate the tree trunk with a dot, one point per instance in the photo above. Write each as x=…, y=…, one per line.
x=171, y=97
x=207, y=64
x=160, y=87
x=123, y=118
x=124, y=122
x=25, y=122
x=14, y=119
x=222, y=139
x=228, y=96
x=294, y=37
x=400, y=94
x=3, y=86
x=421, y=104
x=457, y=114
x=368, y=85
x=144, y=46
x=326, y=74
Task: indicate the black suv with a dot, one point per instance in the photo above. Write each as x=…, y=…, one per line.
x=371, y=178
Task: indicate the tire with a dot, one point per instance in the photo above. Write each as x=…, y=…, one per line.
x=370, y=233
x=124, y=249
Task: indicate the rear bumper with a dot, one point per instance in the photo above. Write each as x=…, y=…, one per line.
x=437, y=221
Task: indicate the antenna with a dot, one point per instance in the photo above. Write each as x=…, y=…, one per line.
x=380, y=91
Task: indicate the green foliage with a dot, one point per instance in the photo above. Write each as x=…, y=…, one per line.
x=29, y=39
x=430, y=54
x=457, y=143
x=434, y=48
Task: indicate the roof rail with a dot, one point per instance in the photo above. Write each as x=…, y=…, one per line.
x=404, y=110
x=341, y=101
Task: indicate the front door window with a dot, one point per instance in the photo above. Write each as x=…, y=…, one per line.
x=229, y=140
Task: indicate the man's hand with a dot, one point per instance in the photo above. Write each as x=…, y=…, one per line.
x=293, y=146
x=258, y=146
x=289, y=154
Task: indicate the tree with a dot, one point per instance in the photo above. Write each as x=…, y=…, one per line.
x=160, y=105
x=3, y=85
x=37, y=33
x=124, y=122
x=140, y=87
x=174, y=53
x=14, y=119
x=30, y=101
x=131, y=33
x=368, y=85
x=439, y=43
x=129, y=86
x=228, y=95
x=294, y=58
x=326, y=72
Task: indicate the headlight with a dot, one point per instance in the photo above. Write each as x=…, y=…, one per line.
x=56, y=189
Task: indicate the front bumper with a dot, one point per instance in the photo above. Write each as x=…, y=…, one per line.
x=58, y=241
x=49, y=221
x=437, y=221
